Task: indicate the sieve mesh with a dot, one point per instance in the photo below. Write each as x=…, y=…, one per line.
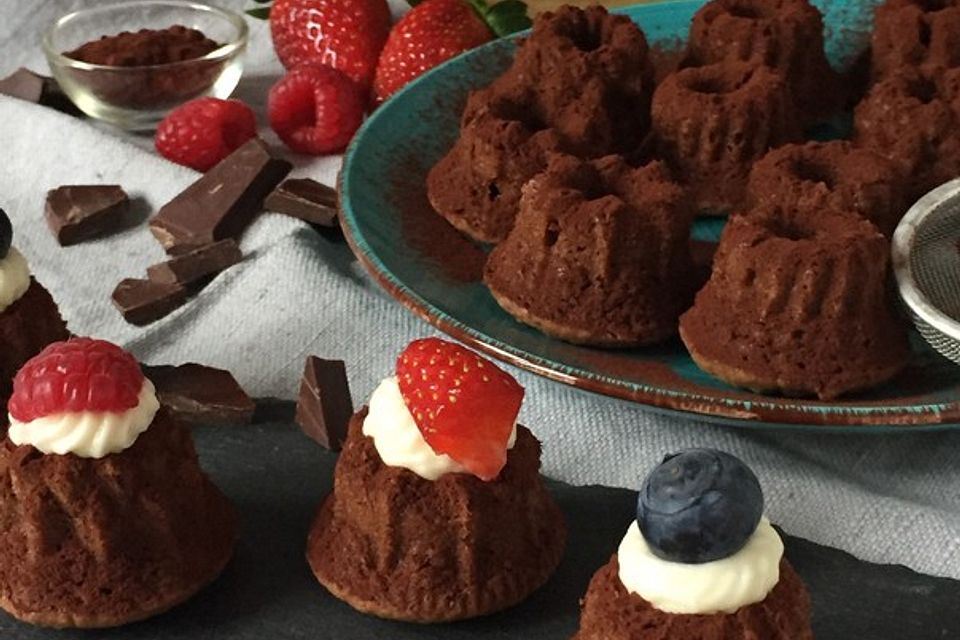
x=929, y=241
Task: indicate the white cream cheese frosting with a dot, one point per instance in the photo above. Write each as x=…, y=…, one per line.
x=88, y=434
x=720, y=586
x=398, y=439
x=14, y=278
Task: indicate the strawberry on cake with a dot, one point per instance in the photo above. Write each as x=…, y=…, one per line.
x=438, y=511
x=700, y=561
x=29, y=318
x=105, y=515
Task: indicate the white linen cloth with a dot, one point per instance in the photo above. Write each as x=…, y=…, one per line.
x=884, y=498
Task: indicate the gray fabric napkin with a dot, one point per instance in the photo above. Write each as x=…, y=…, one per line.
x=885, y=498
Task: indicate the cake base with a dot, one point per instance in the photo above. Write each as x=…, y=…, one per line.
x=394, y=545
x=93, y=543
x=610, y=612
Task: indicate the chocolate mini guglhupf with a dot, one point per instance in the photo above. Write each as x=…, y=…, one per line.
x=784, y=34
x=710, y=123
x=105, y=515
x=699, y=562
x=911, y=117
x=599, y=253
x=798, y=303
x=477, y=184
x=431, y=518
x=585, y=75
x=915, y=33
x=830, y=175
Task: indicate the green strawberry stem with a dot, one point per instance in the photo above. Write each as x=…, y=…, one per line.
x=503, y=18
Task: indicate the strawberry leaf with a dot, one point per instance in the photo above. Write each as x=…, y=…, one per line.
x=508, y=16
x=414, y=3
x=260, y=13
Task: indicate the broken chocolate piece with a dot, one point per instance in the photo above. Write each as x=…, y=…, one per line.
x=222, y=202
x=79, y=212
x=143, y=301
x=199, y=394
x=43, y=90
x=324, y=405
x=201, y=263
x=305, y=199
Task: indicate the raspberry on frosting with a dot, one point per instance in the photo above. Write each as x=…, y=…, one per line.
x=80, y=374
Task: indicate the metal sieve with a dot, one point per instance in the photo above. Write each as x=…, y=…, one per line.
x=926, y=263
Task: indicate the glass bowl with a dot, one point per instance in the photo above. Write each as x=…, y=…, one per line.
x=139, y=97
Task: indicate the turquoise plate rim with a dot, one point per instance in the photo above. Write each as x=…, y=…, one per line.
x=757, y=411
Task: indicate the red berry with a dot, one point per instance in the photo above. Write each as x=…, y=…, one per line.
x=315, y=109
x=344, y=34
x=464, y=405
x=430, y=33
x=80, y=374
x=202, y=132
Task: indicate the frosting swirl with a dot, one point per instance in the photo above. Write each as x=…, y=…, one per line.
x=720, y=586
x=398, y=439
x=14, y=278
x=88, y=434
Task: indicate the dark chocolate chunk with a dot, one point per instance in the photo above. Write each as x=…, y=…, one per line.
x=324, y=405
x=6, y=234
x=200, y=394
x=197, y=265
x=305, y=199
x=33, y=87
x=222, y=202
x=143, y=301
x=79, y=212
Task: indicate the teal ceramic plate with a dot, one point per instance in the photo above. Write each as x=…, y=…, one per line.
x=433, y=271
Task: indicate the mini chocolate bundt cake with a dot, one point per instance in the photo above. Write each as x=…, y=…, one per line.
x=476, y=186
x=911, y=117
x=710, y=123
x=915, y=33
x=784, y=34
x=610, y=612
x=798, y=303
x=831, y=175
x=396, y=545
x=584, y=76
x=599, y=253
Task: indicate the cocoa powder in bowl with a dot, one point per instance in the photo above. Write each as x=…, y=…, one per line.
x=146, y=72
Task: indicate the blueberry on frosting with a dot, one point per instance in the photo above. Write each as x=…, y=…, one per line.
x=6, y=234
x=699, y=505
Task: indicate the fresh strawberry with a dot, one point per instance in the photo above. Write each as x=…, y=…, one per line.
x=344, y=34
x=80, y=374
x=464, y=405
x=315, y=109
x=437, y=30
x=202, y=132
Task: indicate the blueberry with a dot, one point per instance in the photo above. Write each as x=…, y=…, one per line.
x=699, y=505
x=6, y=234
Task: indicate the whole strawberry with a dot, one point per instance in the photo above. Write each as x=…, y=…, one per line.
x=202, y=132
x=344, y=34
x=465, y=406
x=435, y=31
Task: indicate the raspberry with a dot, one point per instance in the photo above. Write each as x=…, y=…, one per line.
x=315, y=109
x=202, y=132
x=80, y=374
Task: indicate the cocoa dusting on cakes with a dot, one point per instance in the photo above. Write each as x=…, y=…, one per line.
x=915, y=33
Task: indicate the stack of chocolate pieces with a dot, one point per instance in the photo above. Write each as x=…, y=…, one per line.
x=199, y=228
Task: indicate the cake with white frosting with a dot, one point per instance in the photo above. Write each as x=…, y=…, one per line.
x=438, y=511
x=105, y=515
x=700, y=561
x=29, y=318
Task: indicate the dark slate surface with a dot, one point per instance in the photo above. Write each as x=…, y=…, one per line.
x=277, y=477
